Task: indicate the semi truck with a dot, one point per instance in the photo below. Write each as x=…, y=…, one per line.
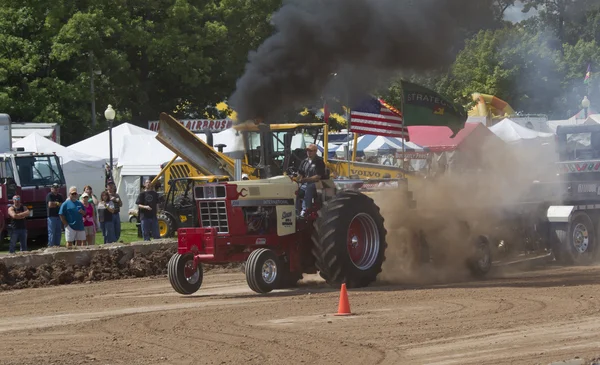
x=29, y=175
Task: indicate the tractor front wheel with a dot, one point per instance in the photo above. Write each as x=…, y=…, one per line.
x=183, y=276
x=263, y=271
x=349, y=240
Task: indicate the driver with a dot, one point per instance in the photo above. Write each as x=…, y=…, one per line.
x=312, y=170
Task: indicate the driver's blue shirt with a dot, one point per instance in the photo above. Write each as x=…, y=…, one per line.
x=70, y=210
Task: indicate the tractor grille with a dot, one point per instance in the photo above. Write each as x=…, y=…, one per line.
x=214, y=214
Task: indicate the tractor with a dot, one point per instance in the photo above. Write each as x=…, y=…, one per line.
x=178, y=207
x=342, y=235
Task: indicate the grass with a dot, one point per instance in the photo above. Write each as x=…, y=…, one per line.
x=128, y=234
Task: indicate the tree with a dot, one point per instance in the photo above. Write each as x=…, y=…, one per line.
x=181, y=57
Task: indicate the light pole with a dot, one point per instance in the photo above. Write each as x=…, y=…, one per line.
x=109, y=114
x=585, y=103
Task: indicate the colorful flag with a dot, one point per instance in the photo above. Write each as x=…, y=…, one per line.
x=423, y=106
x=375, y=116
x=588, y=74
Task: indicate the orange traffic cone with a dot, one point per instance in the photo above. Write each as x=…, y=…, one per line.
x=344, y=306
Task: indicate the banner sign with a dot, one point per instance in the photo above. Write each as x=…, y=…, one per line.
x=199, y=125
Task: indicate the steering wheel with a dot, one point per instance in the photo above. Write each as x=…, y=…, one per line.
x=292, y=171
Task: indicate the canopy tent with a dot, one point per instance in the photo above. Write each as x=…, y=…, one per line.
x=80, y=169
x=434, y=138
x=469, y=149
x=371, y=145
x=141, y=156
x=592, y=119
x=98, y=145
x=511, y=132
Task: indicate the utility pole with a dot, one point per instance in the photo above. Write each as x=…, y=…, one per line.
x=92, y=90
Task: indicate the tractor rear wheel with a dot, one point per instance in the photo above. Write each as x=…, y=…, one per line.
x=481, y=261
x=182, y=276
x=166, y=226
x=263, y=271
x=349, y=240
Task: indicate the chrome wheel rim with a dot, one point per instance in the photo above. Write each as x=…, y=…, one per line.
x=269, y=271
x=581, y=238
x=363, y=241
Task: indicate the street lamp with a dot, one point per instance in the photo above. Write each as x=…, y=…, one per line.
x=585, y=103
x=109, y=114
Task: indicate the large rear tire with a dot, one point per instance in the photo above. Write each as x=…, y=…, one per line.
x=263, y=271
x=182, y=276
x=349, y=240
x=480, y=263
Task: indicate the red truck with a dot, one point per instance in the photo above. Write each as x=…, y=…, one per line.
x=29, y=175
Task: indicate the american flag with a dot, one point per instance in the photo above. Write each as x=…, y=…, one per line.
x=375, y=116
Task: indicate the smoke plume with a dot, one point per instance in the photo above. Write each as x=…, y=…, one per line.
x=315, y=38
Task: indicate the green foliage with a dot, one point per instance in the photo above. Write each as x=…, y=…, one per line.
x=184, y=56
x=177, y=56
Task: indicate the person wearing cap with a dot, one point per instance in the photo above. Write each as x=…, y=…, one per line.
x=89, y=220
x=71, y=214
x=311, y=171
x=53, y=202
x=18, y=230
x=116, y=199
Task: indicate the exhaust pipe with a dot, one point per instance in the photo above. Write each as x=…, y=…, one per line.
x=237, y=165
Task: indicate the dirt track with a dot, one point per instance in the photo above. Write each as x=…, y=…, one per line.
x=528, y=318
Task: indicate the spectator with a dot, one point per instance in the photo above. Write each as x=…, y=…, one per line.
x=18, y=230
x=94, y=202
x=118, y=203
x=106, y=208
x=89, y=220
x=53, y=202
x=147, y=203
x=71, y=214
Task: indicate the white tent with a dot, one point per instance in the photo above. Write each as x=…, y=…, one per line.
x=592, y=119
x=511, y=132
x=80, y=169
x=371, y=145
x=98, y=145
x=140, y=157
x=554, y=124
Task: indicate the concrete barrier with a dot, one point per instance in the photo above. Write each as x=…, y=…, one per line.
x=82, y=256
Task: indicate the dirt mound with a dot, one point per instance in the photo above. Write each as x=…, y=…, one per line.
x=111, y=265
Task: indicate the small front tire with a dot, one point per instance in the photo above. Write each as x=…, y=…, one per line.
x=182, y=276
x=263, y=269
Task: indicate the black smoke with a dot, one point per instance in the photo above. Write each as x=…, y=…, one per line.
x=361, y=40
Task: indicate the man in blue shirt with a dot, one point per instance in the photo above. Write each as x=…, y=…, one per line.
x=71, y=214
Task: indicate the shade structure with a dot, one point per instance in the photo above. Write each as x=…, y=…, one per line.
x=98, y=145
x=371, y=145
x=80, y=169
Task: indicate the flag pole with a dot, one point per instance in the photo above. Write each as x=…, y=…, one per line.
x=403, y=126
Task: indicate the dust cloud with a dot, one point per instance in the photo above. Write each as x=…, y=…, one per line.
x=482, y=193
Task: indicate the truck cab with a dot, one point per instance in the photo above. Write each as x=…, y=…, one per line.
x=29, y=175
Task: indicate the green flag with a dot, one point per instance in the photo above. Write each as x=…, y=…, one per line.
x=423, y=106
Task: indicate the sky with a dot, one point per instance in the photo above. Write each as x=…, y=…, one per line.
x=515, y=15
